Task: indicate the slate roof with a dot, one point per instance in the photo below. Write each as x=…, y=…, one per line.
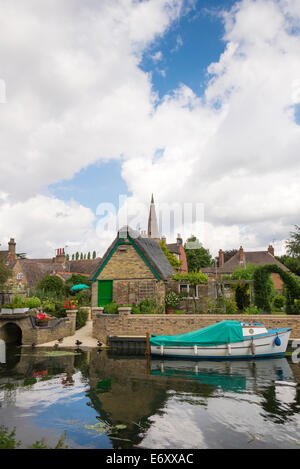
x=174, y=248
x=149, y=248
x=35, y=269
x=255, y=257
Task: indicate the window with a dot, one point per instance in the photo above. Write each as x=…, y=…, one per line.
x=19, y=276
x=186, y=291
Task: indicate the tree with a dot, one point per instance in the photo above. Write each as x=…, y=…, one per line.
x=242, y=291
x=196, y=255
x=293, y=244
x=89, y=255
x=51, y=283
x=5, y=273
x=73, y=257
x=81, y=256
x=292, y=263
x=175, y=263
x=77, y=256
x=193, y=279
x=94, y=255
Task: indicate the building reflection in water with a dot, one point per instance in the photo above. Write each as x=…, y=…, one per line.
x=135, y=393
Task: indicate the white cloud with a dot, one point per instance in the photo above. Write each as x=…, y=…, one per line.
x=75, y=94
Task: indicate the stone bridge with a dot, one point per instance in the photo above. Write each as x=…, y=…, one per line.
x=21, y=329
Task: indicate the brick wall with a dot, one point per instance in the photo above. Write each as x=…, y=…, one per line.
x=105, y=325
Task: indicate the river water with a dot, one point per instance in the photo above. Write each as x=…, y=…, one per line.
x=104, y=399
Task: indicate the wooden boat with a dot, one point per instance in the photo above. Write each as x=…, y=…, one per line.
x=225, y=339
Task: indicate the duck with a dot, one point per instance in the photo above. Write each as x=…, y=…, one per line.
x=60, y=340
x=55, y=346
x=99, y=343
x=78, y=342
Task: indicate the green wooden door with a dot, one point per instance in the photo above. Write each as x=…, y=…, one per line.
x=105, y=290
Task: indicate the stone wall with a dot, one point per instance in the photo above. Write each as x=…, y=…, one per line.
x=127, y=324
x=38, y=335
x=132, y=279
x=126, y=263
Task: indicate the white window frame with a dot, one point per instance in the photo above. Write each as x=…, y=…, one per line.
x=188, y=291
x=19, y=276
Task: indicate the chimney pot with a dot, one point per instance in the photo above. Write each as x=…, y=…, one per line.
x=271, y=250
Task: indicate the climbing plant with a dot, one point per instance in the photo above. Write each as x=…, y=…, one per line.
x=262, y=289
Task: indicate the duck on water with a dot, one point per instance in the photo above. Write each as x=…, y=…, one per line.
x=225, y=339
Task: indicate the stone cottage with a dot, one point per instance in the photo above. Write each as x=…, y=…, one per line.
x=133, y=268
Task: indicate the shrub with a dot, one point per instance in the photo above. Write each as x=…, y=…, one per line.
x=83, y=298
x=278, y=301
x=48, y=306
x=19, y=302
x=252, y=310
x=296, y=307
x=171, y=300
x=230, y=306
x=51, y=283
x=33, y=302
x=111, y=308
x=148, y=305
x=81, y=318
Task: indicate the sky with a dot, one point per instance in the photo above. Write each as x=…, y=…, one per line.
x=195, y=101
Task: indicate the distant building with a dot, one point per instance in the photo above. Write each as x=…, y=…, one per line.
x=28, y=272
x=242, y=259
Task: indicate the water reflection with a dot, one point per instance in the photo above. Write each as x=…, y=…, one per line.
x=113, y=401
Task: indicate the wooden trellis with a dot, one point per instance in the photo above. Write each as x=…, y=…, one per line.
x=221, y=284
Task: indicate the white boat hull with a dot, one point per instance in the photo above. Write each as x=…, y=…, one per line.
x=250, y=347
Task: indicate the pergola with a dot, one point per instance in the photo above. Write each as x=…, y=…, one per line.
x=221, y=284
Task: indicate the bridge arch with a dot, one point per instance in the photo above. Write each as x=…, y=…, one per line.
x=262, y=290
x=11, y=333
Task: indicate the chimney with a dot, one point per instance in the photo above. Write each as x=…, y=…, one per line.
x=60, y=256
x=271, y=250
x=241, y=254
x=221, y=258
x=12, y=250
x=179, y=240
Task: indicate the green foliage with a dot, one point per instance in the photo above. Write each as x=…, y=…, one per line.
x=8, y=439
x=230, y=306
x=263, y=292
x=81, y=318
x=192, y=278
x=83, y=298
x=77, y=279
x=148, y=305
x=171, y=300
x=5, y=273
x=111, y=308
x=292, y=263
x=252, y=310
x=196, y=255
x=51, y=283
x=33, y=302
x=175, y=263
x=293, y=244
x=244, y=273
x=296, y=307
x=278, y=301
x=48, y=306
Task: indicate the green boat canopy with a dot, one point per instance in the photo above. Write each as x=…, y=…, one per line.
x=223, y=332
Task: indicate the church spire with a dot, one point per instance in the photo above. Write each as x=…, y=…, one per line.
x=152, y=222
